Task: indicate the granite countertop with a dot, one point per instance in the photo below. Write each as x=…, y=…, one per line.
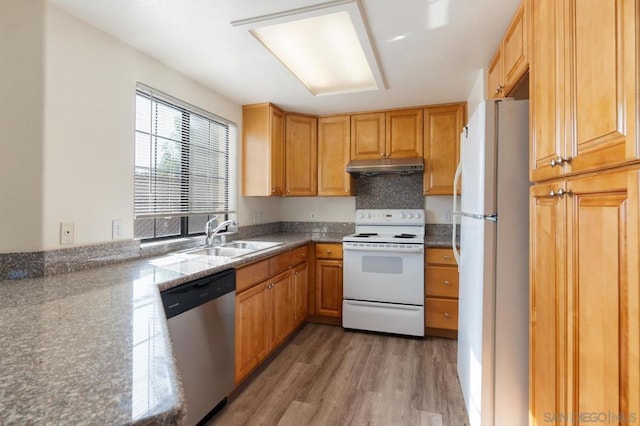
x=92, y=347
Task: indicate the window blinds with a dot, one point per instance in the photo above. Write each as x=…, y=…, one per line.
x=181, y=158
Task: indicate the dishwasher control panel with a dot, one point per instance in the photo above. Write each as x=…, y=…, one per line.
x=195, y=293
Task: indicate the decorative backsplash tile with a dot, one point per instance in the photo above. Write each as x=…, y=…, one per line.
x=390, y=192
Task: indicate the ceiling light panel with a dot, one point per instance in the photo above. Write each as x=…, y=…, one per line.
x=325, y=46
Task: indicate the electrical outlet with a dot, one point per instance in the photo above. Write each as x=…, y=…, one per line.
x=66, y=233
x=312, y=216
x=447, y=216
x=116, y=229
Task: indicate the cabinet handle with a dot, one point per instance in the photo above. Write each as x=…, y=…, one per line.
x=340, y=265
x=559, y=161
x=273, y=191
x=446, y=315
x=446, y=257
x=560, y=193
x=445, y=282
x=499, y=89
x=328, y=251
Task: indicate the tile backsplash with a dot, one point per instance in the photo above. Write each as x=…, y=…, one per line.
x=390, y=192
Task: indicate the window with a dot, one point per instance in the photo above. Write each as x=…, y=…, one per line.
x=182, y=173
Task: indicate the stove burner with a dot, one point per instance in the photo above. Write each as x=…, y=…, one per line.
x=366, y=234
x=405, y=236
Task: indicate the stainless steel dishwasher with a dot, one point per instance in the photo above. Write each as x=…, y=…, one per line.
x=201, y=319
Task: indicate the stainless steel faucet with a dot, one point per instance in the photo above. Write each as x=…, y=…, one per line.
x=215, y=233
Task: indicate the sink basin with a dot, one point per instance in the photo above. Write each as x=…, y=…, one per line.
x=252, y=245
x=234, y=249
x=221, y=251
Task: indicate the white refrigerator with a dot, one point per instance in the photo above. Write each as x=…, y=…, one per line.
x=493, y=263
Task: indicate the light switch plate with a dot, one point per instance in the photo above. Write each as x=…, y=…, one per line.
x=66, y=233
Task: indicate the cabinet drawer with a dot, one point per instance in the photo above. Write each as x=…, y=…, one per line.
x=440, y=256
x=441, y=313
x=441, y=281
x=299, y=255
x=279, y=263
x=329, y=251
x=247, y=276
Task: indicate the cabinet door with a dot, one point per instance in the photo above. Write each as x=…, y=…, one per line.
x=277, y=151
x=280, y=308
x=300, y=283
x=367, y=136
x=547, y=90
x=547, y=351
x=442, y=127
x=514, y=50
x=301, y=163
x=251, y=330
x=329, y=287
x=603, y=83
x=603, y=285
x=404, y=133
x=334, y=152
x=262, y=150
x=495, y=80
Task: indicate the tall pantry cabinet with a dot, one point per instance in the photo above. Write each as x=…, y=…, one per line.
x=584, y=231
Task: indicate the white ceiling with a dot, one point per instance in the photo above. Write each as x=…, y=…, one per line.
x=445, y=43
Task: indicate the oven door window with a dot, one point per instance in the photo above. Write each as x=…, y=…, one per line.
x=382, y=264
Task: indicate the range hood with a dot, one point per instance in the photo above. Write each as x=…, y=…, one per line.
x=386, y=166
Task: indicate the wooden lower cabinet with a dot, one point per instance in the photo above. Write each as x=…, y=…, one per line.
x=268, y=307
x=441, y=293
x=329, y=280
x=584, y=329
x=300, y=285
x=251, y=330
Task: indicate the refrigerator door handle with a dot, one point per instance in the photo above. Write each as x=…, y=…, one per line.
x=456, y=179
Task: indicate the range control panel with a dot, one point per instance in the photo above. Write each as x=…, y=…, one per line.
x=390, y=217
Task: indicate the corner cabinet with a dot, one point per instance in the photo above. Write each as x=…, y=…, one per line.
x=584, y=300
x=262, y=150
x=584, y=86
x=301, y=148
x=442, y=127
x=271, y=301
x=334, y=142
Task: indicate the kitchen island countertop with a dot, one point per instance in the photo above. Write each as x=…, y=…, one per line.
x=92, y=347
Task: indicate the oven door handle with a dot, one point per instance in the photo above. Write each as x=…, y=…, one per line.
x=417, y=249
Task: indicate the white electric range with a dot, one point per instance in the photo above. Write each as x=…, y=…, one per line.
x=383, y=272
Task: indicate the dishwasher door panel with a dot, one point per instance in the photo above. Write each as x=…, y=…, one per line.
x=203, y=341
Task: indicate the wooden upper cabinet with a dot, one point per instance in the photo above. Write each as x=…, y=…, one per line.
x=404, y=133
x=301, y=144
x=546, y=89
x=584, y=86
x=495, y=79
x=510, y=62
x=442, y=128
x=515, y=49
x=334, y=152
x=603, y=80
x=367, y=136
x=262, y=150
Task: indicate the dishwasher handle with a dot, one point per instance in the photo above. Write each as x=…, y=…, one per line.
x=198, y=292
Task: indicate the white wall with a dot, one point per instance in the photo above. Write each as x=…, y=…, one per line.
x=21, y=111
x=89, y=126
x=476, y=96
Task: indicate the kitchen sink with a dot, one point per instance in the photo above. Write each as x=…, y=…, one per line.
x=252, y=245
x=234, y=249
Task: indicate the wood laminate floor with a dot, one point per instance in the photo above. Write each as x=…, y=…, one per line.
x=328, y=376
